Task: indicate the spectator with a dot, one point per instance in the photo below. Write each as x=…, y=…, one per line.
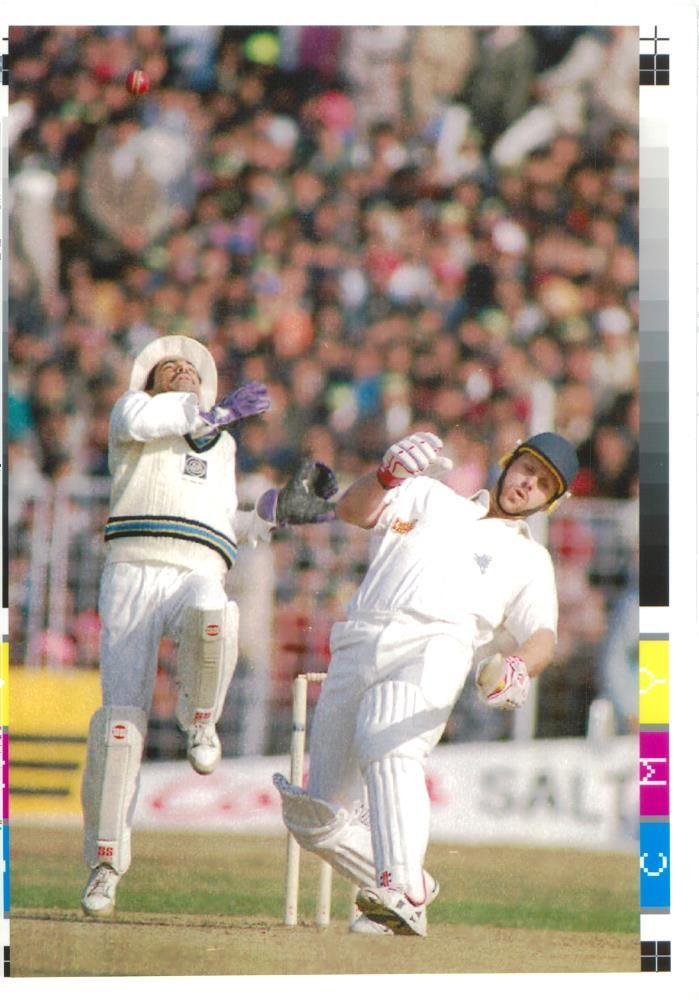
x=498, y=91
x=437, y=67
x=32, y=192
x=56, y=418
x=618, y=661
x=120, y=195
x=613, y=464
x=372, y=63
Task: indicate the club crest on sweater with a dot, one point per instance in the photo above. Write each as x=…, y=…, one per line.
x=195, y=467
x=482, y=561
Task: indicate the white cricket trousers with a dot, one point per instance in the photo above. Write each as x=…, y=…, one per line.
x=138, y=604
x=392, y=683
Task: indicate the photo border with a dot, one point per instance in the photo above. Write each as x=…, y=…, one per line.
x=668, y=472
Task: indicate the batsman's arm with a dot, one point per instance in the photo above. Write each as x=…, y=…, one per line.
x=414, y=455
x=537, y=651
x=362, y=502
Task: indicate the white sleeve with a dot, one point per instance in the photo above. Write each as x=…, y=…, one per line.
x=536, y=605
x=401, y=500
x=251, y=528
x=137, y=416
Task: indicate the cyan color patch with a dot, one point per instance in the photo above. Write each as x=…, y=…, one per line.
x=654, y=774
x=5, y=869
x=655, y=866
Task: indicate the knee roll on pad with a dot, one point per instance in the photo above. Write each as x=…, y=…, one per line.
x=206, y=660
x=395, y=719
x=305, y=817
x=334, y=834
x=110, y=783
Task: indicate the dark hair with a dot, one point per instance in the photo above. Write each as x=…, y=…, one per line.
x=150, y=381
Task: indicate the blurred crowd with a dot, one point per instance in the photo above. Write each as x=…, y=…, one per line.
x=391, y=227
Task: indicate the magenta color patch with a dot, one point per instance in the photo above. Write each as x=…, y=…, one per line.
x=654, y=774
x=5, y=776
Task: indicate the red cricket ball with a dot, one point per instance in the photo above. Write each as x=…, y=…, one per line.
x=137, y=82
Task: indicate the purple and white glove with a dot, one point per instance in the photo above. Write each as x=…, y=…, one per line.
x=412, y=456
x=247, y=401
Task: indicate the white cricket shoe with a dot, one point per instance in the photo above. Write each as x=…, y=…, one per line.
x=364, y=925
x=431, y=888
x=393, y=909
x=203, y=748
x=99, y=896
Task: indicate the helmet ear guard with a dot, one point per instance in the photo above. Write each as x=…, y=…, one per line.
x=557, y=501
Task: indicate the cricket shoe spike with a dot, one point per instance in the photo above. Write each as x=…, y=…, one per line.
x=393, y=909
x=99, y=896
x=203, y=748
x=363, y=925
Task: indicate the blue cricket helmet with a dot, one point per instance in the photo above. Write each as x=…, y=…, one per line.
x=556, y=453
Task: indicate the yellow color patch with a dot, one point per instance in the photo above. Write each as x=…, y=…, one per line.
x=654, y=681
x=4, y=684
x=49, y=717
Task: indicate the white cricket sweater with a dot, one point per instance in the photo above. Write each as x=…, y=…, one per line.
x=173, y=494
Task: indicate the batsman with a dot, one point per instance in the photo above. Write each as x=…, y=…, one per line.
x=172, y=536
x=454, y=583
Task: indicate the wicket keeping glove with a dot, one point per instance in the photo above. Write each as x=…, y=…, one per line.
x=412, y=456
x=503, y=682
x=247, y=401
x=304, y=499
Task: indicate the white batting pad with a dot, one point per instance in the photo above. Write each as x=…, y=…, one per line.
x=395, y=718
x=341, y=838
x=400, y=823
x=110, y=783
x=396, y=729
x=206, y=660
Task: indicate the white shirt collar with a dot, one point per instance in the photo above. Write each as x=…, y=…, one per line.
x=482, y=499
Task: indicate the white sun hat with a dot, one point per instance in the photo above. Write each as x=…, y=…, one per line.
x=177, y=346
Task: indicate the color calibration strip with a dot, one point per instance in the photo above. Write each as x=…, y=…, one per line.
x=654, y=802
x=4, y=486
x=5, y=788
x=655, y=80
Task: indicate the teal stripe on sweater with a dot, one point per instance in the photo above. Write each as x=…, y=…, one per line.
x=171, y=527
